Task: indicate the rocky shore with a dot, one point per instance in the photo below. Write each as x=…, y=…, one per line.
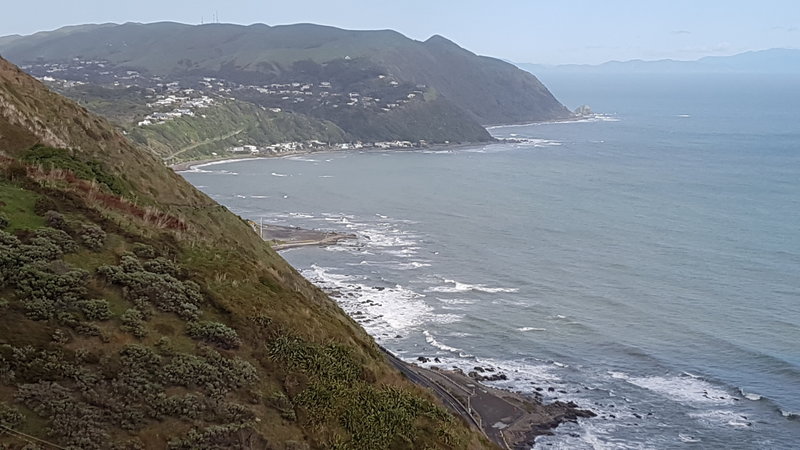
x=511, y=420
x=283, y=238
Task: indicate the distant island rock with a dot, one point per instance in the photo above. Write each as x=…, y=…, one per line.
x=583, y=110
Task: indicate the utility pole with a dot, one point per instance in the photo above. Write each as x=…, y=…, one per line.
x=261, y=228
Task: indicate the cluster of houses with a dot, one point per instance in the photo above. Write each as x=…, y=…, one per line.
x=170, y=100
x=292, y=147
x=183, y=102
x=78, y=71
x=325, y=93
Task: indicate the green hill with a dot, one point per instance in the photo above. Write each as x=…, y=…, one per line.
x=135, y=312
x=228, y=124
x=470, y=90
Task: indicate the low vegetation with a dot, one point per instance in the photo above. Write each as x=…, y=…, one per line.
x=118, y=332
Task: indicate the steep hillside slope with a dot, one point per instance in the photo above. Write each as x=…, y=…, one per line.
x=135, y=312
x=487, y=90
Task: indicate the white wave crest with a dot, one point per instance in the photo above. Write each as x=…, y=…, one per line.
x=684, y=389
x=465, y=287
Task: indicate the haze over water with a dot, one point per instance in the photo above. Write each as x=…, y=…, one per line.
x=643, y=264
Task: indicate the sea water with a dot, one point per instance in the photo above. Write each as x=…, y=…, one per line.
x=643, y=263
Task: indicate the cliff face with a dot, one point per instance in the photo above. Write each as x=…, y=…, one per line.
x=135, y=312
x=473, y=90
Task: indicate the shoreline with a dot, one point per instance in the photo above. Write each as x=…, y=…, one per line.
x=187, y=166
x=190, y=164
x=573, y=119
x=509, y=419
x=281, y=237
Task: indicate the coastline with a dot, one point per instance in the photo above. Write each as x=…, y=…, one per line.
x=284, y=238
x=192, y=164
x=509, y=419
x=593, y=117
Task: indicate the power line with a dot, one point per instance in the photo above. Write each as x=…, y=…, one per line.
x=27, y=437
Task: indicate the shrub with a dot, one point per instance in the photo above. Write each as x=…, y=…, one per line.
x=9, y=416
x=55, y=158
x=190, y=406
x=214, y=437
x=144, y=251
x=74, y=422
x=214, y=333
x=56, y=220
x=92, y=236
x=133, y=322
x=163, y=266
x=42, y=292
x=30, y=364
x=10, y=258
x=58, y=237
x=4, y=223
x=214, y=373
x=95, y=309
x=164, y=291
x=332, y=361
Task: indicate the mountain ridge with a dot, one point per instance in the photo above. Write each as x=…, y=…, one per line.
x=773, y=60
x=476, y=90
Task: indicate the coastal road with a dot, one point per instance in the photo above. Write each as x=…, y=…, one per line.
x=417, y=376
x=203, y=142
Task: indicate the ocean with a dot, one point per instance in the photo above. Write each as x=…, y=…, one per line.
x=643, y=263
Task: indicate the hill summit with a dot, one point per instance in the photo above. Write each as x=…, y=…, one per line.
x=371, y=85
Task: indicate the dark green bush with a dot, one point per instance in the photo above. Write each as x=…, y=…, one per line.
x=330, y=361
x=164, y=291
x=92, y=236
x=9, y=416
x=95, y=309
x=213, y=373
x=163, y=266
x=55, y=158
x=30, y=364
x=144, y=251
x=4, y=221
x=57, y=237
x=42, y=293
x=73, y=422
x=214, y=333
x=133, y=322
x=56, y=220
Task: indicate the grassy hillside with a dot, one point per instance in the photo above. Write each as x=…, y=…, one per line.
x=230, y=124
x=135, y=312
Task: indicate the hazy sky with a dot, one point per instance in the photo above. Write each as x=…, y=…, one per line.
x=550, y=32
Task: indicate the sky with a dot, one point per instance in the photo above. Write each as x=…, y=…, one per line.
x=533, y=31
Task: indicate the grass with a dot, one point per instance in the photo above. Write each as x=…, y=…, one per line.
x=18, y=205
x=55, y=158
x=240, y=278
